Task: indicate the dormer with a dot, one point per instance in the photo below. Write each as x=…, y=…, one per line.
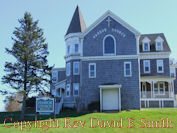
x=54, y=76
x=146, y=44
x=159, y=44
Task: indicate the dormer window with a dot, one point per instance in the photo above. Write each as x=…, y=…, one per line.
x=146, y=44
x=159, y=46
x=54, y=76
x=159, y=43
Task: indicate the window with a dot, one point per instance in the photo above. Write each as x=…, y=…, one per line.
x=146, y=66
x=146, y=46
x=68, y=66
x=155, y=88
x=68, y=49
x=160, y=66
x=92, y=70
x=75, y=89
x=68, y=90
x=159, y=46
x=127, y=69
x=159, y=88
x=172, y=72
x=54, y=76
x=76, y=68
x=109, y=46
x=76, y=48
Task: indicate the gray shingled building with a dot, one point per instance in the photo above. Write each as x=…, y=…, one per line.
x=114, y=67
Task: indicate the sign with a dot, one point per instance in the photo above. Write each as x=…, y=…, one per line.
x=45, y=104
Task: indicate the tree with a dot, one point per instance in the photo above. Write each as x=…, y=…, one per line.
x=31, y=72
x=13, y=102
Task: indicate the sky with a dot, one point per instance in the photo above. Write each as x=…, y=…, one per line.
x=147, y=16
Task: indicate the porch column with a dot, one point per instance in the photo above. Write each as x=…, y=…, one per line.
x=169, y=89
x=152, y=89
x=173, y=89
x=101, y=101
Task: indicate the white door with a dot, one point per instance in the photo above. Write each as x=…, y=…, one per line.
x=110, y=99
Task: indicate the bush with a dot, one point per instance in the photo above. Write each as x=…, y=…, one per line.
x=94, y=106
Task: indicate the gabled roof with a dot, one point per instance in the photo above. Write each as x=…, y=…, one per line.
x=115, y=17
x=153, y=37
x=77, y=23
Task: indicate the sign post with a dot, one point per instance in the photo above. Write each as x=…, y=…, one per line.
x=45, y=105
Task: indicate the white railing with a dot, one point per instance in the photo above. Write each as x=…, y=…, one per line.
x=58, y=106
x=149, y=94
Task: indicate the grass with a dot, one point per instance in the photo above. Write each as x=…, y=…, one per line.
x=80, y=123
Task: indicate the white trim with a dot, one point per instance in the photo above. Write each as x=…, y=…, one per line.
x=161, y=47
x=54, y=76
x=158, y=87
x=174, y=71
x=110, y=86
x=68, y=69
x=71, y=35
x=94, y=64
x=159, y=39
x=119, y=99
x=149, y=65
x=157, y=61
x=147, y=41
x=156, y=79
x=68, y=85
x=76, y=62
x=156, y=99
x=74, y=89
x=125, y=69
x=154, y=55
x=92, y=58
x=89, y=58
x=143, y=91
x=109, y=35
x=113, y=16
x=60, y=84
x=137, y=44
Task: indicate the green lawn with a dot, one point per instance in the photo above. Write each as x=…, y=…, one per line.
x=76, y=123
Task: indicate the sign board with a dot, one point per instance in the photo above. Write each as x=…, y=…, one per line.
x=45, y=105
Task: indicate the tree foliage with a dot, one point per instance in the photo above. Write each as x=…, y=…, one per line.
x=30, y=73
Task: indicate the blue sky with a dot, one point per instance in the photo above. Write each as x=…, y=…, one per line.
x=147, y=16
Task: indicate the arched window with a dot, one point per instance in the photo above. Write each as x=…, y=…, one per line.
x=109, y=46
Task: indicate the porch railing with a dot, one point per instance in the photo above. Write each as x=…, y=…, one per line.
x=149, y=94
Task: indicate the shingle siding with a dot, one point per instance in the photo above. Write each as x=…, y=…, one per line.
x=111, y=72
x=94, y=46
x=153, y=67
x=72, y=78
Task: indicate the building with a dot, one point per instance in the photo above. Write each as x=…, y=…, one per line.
x=113, y=64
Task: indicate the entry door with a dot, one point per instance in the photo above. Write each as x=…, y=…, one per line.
x=110, y=99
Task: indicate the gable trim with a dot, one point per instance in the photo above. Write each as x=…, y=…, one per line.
x=116, y=18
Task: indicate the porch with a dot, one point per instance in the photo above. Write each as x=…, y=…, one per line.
x=157, y=92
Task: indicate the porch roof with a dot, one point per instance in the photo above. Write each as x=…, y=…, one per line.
x=157, y=78
x=110, y=85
